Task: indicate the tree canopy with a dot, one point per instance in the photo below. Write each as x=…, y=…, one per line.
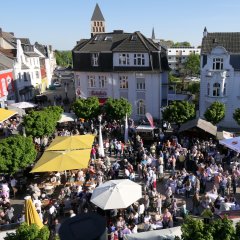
x=16, y=152
x=192, y=65
x=117, y=108
x=42, y=123
x=179, y=112
x=31, y=232
x=215, y=113
x=220, y=229
x=63, y=58
x=236, y=115
x=86, y=108
x=182, y=44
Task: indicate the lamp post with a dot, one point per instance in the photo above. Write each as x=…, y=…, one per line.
x=100, y=144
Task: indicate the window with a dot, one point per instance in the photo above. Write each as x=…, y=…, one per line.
x=123, y=59
x=95, y=57
x=216, y=89
x=141, y=109
x=19, y=77
x=108, y=38
x=123, y=82
x=224, y=89
x=93, y=29
x=37, y=74
x=102, y=81
x=91, y=82
x=169, y=57
x=139, y=59
x=217, y=63
x=25, y=76
x=140, y=83
x=208, y=89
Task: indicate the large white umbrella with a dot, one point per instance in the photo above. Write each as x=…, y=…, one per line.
x=232, y=143
x=126, y=130
x=100, y=139
x=116, y=194
x=23, y=105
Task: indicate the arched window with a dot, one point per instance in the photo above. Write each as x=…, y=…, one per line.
x=141, y=108
x=216, y=89
x=224, y=89
x=208, y=89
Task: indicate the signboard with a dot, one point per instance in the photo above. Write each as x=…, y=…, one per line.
x=98, y=93
x=6, y=83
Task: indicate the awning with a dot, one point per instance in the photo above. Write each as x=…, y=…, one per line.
x=102, y=100
x=199, y=123
x=6, y=114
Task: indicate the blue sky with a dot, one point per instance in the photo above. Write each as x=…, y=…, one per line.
x=63, y=22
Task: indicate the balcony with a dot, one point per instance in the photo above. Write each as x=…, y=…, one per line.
x=219, y=73
x=212, y=99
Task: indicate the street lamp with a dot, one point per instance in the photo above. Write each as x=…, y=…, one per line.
x=100, y=145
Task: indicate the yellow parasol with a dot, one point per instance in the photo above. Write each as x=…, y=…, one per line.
x=31, y=215
x=71, y=142
x=5, y=114
x=62, y=160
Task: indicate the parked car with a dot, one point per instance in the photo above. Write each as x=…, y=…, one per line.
x=57, y=84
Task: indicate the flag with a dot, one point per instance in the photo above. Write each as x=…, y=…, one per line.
x=126, y=130
x=100, y=147
x=150, y=119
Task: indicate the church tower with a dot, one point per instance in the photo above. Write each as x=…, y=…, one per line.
x=97, y=22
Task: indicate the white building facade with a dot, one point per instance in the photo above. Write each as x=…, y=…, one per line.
x=220, y=74
x=124, y=65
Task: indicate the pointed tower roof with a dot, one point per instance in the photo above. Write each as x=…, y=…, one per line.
x=153, y=34
x=97, y=14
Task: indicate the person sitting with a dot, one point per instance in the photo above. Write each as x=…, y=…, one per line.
x=167, y=219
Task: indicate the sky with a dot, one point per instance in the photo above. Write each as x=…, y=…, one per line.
x=61, y=23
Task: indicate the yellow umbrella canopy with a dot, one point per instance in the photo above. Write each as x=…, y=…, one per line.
x=62, y=160
x=71, y=142
x=31, y=215
x=5, y=114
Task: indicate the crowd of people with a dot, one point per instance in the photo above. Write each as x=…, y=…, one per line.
x=179, y=176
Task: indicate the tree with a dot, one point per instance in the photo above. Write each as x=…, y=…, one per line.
x=236, y=115
x=223, y=229
x=16, y=152
x=194, y=87
x=42, y=123
x=86, y=108
x=194, y=228
x=215, y=113
x=179, y=112
x=117, y=108
x=192, y=65
x=63, y=58
x=181, y=44
x=32, y=232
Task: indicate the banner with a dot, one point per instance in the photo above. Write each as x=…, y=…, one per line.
x=150, y=119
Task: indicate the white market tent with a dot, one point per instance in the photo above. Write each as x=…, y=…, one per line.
x=232, y=143
x=167, y=234
x=224, y=135
x=23, y=105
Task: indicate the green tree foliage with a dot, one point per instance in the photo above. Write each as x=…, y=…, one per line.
x=181, y=44
x=63, y=58
x=173, y=79
x=42, y=123
x=215, y=113
x=32, y=232
x=117, y=108
x=179, y=112
x=223, y=229
x=194, y=87
x=86, y=108
x=236, y=115
x=192, y=65
x=16, y=152
x=193, y=228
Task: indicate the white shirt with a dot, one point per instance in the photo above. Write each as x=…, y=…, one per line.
x=141, y=209
x=13, y=182
x=52, y=209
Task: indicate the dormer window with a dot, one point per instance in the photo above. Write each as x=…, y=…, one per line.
x=217, y=63
x=134, y=38
x=108, y=38
x=95, y=58
x=124, y=59
x=139, y=59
